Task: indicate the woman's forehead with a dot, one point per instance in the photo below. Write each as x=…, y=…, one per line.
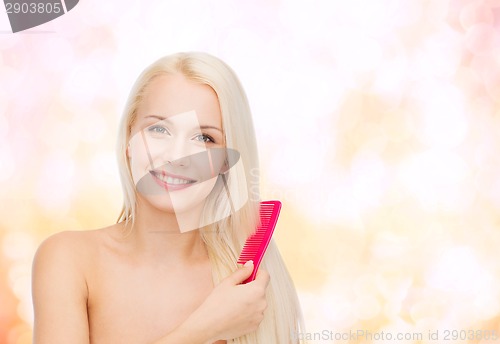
x=171, y=95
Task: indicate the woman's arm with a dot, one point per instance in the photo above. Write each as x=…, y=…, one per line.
x=59, y=292
x=230, y=311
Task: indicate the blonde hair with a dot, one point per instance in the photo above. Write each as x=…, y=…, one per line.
x=224, y=239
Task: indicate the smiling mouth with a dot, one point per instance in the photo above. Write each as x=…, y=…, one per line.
x=171, y=182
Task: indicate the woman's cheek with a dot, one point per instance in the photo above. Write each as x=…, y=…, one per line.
x=139, y=163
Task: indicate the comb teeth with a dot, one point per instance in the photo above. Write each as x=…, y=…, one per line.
x=257, y=243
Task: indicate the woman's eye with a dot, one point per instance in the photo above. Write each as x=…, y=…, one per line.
x=205, y=138
x=158, y=129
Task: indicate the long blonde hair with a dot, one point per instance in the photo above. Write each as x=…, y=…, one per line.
x=224, y=239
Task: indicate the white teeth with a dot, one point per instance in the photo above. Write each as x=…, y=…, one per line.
x=176, y=181
x=170, y=180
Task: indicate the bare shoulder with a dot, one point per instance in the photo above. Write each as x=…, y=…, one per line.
x=66, y=248
x=60, y=286
x=67, y=241
x=71, y=254
x=77, y=246
x=63, y=257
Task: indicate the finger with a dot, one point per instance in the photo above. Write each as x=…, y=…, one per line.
x=241, y=274
x=262, y=277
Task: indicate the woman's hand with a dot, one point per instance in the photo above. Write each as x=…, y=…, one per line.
x=232, y=309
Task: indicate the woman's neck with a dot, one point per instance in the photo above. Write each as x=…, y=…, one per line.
x=156, y=234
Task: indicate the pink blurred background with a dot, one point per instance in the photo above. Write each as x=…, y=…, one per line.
x=378, y=124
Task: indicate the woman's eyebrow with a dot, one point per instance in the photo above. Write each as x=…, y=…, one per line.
x=210, y=127
x=156, y=117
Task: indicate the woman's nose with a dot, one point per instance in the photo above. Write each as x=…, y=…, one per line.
x=181, y=162
x=179, y=152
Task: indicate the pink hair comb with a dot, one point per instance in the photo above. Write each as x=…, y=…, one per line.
x=257, y=243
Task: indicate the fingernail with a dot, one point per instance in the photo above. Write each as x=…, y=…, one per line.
x=248, y=263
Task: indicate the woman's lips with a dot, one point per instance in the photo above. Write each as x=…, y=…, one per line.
x=171, y=182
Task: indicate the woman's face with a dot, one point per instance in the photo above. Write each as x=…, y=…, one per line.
x=176, y=144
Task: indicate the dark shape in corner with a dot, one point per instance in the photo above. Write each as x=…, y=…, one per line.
x=34, y=13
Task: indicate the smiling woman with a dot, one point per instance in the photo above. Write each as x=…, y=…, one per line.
x=166, y=157
x=167, y=272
